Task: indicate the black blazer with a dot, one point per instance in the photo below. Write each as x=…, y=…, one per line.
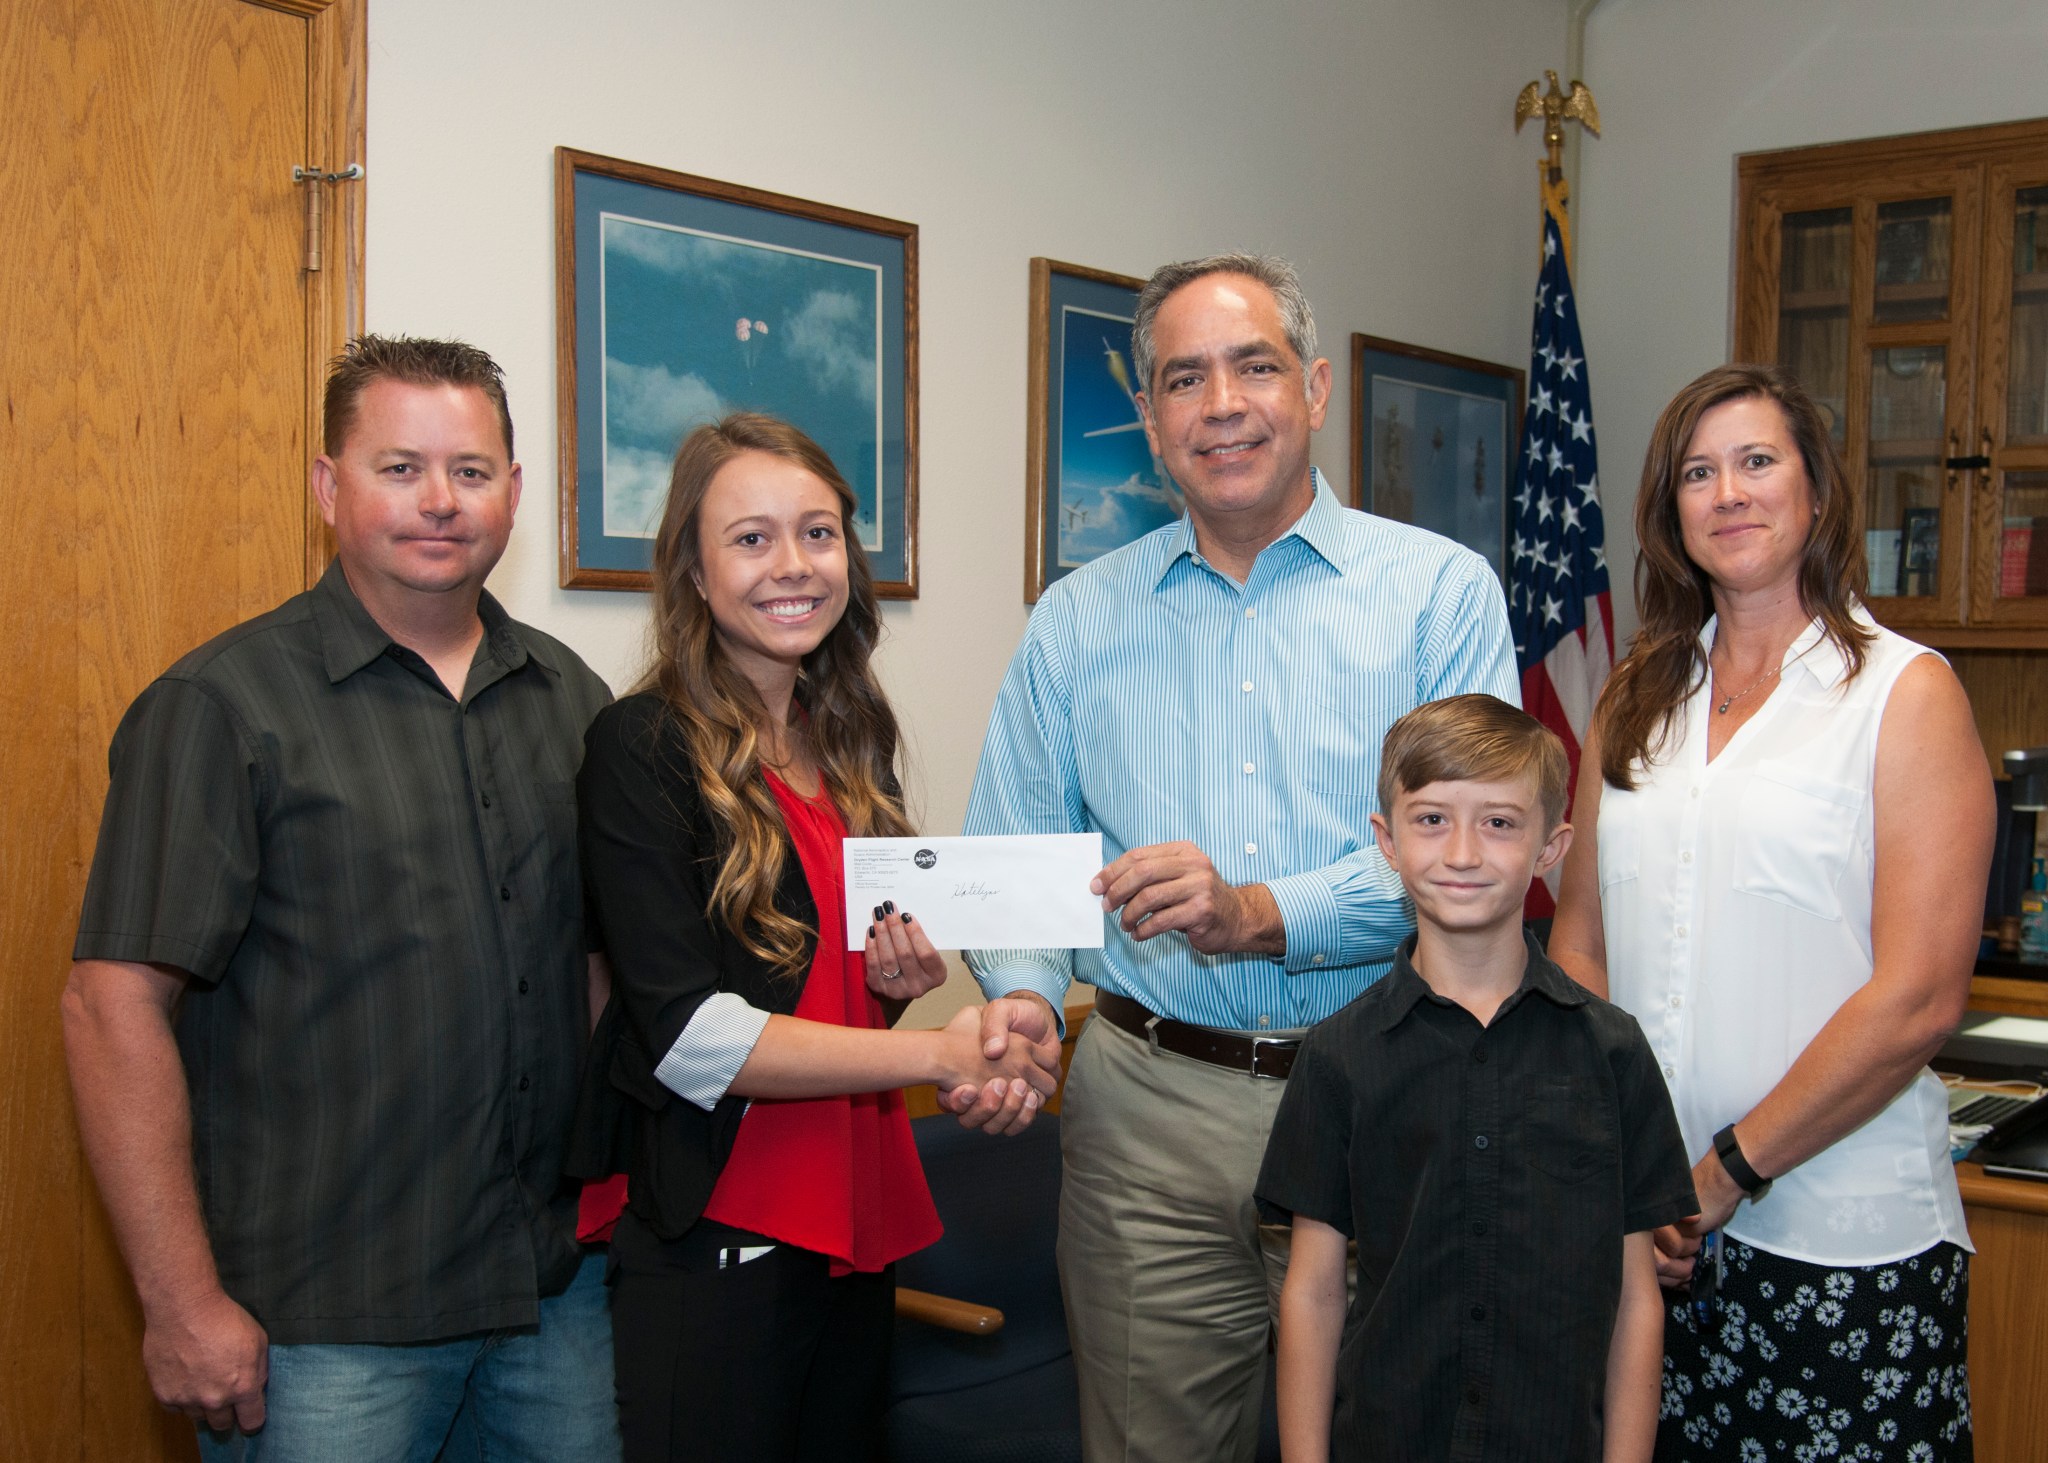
x=650, y=858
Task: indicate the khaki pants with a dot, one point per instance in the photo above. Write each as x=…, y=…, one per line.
x=1171, y=1284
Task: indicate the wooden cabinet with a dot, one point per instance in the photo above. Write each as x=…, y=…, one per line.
x=1905, y=280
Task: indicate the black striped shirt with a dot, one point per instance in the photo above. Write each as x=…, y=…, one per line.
x=374, y=888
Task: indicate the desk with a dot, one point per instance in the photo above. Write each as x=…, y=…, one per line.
x=2008, y=1314
x=2008, y=1279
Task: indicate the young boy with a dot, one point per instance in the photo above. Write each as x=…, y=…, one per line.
x=1497, y=1140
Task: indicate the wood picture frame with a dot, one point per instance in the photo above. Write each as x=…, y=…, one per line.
x=679, y=299
x=1448, y=465
x=1091, y=483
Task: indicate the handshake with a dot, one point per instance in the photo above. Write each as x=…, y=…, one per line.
x=999, y=1063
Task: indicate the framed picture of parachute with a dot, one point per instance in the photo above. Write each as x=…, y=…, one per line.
x=1091, y=483
x=1433, y=438
x=680, y=299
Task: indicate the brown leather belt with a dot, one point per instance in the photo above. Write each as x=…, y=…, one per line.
x=1261, y=1056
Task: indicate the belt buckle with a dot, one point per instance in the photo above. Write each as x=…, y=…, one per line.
x=1259, y=1044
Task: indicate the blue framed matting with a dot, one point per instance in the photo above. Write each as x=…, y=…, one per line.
x=1091, y=481
x=683, y=299
x=1433, y=438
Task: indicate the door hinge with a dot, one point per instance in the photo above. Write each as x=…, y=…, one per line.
x=315, y=181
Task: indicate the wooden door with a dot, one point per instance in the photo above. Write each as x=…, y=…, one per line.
x=160, y=362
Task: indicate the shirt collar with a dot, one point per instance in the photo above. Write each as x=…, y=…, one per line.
x=1810, y=652
x=1539, y=974
x=350, y=637
x=1321, y=527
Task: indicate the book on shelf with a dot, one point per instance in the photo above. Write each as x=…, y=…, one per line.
x=1881, y=548
x=2023, y=558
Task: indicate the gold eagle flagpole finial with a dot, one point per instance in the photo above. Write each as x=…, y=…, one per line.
x=1556, y=107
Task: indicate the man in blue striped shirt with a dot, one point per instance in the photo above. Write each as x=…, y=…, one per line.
x=1211, y=699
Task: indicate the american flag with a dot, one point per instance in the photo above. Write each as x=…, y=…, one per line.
x=1558, y=604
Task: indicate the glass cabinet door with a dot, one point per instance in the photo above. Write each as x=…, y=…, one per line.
x=1813, y=307
x=1875, y=315
x=2011, y=583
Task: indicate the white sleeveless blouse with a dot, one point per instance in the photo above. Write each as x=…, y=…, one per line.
x=1736, y=900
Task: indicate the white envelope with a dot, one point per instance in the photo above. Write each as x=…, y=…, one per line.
x=1027, y=891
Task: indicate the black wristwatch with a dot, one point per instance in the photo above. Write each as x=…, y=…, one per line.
x=1746, y=1178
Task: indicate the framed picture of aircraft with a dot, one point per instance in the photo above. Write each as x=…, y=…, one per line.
x=1433, y=439
x=1091, y=483
x=681, y=299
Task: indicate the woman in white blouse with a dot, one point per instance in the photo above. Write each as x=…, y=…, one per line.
x=1784, y=842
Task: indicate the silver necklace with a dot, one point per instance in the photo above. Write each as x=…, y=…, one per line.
x=1728, y=701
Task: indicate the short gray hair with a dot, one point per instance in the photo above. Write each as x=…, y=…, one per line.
x=1277, y=275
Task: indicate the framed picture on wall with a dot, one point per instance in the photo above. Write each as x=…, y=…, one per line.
x=680, y=299
x=1433, y=440
x=1091, y=484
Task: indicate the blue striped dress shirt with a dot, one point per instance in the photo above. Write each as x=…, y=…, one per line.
x=1155, y=699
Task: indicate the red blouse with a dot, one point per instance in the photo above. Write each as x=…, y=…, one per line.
x=837, y=1175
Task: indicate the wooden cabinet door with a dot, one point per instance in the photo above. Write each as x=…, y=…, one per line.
x=1864, y=284
x=158, y=358
x=2009, y=533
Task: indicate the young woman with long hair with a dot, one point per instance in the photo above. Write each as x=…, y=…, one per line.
x=772, y=1176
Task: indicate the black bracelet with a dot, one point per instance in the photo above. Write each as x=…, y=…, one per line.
x=1746, y=1178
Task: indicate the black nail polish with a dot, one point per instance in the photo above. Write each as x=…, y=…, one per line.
x=889, y=906
x=878, y=913
x=906, y=916
x=871, y=932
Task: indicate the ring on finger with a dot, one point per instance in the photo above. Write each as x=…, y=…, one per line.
x=891, y=974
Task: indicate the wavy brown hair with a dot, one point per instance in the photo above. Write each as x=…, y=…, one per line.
x=721, y=718
x=1674, y=596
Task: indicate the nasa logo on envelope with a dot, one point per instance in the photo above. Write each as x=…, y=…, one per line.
x=926, y=858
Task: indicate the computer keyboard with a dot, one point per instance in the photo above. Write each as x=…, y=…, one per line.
x=1967, y=1109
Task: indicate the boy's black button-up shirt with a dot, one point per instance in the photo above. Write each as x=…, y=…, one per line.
x=1488, y=1174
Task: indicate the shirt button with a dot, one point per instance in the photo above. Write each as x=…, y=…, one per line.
x=1473, y=1395
x=524, y=1083
x=1693, y=792
x=1677, y=1001
x=1249, y=769
x=1316, y=959
x=1479, y=1313
x=1681, y=932
x=1480, y=1141
x=1479, y=1226
x=522, y=988
x=1246, y=686
x=505, y=893
x=486, y=799
x=1251, y=612
x=1669, y=1070
x=1251, y=848
x=1685, y=857
x=1479, y=1057
x=1264, y=1022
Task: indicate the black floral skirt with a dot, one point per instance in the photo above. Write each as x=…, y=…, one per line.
x=1807, y=1362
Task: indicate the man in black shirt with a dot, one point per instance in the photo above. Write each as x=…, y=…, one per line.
x=331, y=989
x=1498, y=1142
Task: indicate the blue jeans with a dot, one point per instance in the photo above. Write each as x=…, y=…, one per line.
x=543, y=1396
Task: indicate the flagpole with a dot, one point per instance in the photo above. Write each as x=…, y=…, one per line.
x=1560, y=606
x=1557, y=107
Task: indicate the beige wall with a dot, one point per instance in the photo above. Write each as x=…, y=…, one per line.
x=1683, y=88
x=1369, y=140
